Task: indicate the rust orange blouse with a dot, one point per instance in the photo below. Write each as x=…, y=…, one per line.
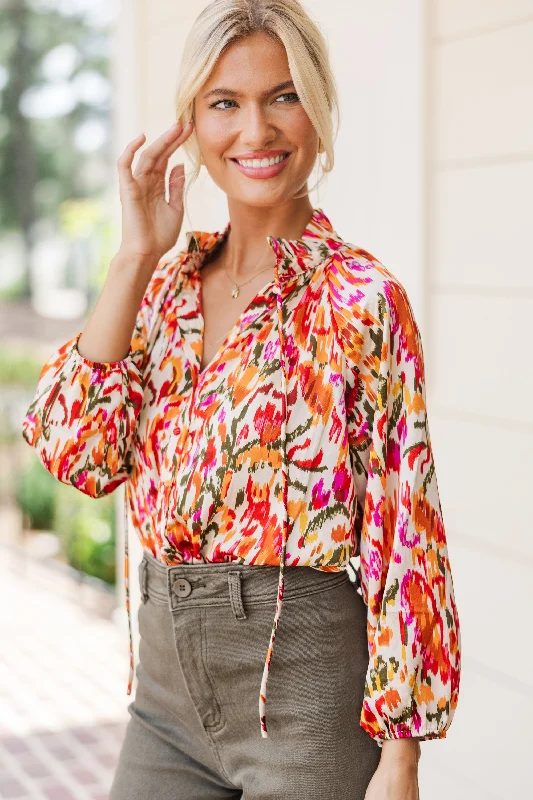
x=304, y=441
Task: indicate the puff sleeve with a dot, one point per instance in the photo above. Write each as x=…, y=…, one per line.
x=412, y=681
x=82, y=418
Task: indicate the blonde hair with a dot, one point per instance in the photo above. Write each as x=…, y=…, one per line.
x=225, y=21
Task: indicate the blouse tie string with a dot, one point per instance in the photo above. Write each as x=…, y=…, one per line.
x=127, y=586
x=284, y=480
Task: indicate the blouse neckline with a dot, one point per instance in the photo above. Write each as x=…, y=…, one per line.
x=293, y=256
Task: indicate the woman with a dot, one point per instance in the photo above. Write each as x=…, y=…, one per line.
x=262, y=395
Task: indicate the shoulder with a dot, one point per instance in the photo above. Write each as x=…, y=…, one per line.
x=371, y=309
x=361, y=286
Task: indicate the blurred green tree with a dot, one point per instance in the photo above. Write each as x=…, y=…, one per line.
x=55, y=101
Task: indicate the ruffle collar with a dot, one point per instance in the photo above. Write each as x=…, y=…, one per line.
x=293, y=256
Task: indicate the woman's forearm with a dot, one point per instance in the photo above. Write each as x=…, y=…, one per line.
x=107, y=335
x=406, y=749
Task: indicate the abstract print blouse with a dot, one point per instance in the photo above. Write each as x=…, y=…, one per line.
x=304, y=442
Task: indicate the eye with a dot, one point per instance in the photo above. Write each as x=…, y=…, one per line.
x=217, y=103
x=289, y=94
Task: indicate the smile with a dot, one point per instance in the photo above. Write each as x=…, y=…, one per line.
x=262, y=167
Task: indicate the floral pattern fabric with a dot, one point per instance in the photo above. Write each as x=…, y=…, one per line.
x=304, y=442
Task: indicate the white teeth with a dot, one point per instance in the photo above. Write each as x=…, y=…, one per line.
x=261, y=162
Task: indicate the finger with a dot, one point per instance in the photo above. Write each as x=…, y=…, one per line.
x=161, y=162
x=159, y=165
x=175, y=186
x=126, y=159
x=157, y=148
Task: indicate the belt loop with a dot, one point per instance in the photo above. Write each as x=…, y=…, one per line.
x=144, y=581
x=235, y=593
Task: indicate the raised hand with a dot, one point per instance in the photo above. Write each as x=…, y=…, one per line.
x=150, y=224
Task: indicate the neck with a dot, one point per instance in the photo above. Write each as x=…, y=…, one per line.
x=246, y=249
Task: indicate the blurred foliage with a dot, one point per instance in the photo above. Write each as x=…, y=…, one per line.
x=89, y=219
x=55, y=111
x=36, y=494
x=55, y=165
x=19, y=372
x=86, y=529
x=19, y=367
x=85, y=526
x=13, y=291
x=78, y=217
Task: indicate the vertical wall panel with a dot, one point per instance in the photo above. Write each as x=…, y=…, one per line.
x=482, y=227
x=480, y=290
x=463, y=17
x=484, y=103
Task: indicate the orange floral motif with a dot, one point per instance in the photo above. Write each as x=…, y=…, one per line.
x=317, y=392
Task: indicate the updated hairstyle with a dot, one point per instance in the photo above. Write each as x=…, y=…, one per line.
x=223, y=22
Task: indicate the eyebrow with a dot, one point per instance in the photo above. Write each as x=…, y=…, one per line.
x=232, y=93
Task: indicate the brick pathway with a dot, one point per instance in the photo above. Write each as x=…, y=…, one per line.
x=63, y=702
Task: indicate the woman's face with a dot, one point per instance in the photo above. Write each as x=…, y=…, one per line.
x=248, y=109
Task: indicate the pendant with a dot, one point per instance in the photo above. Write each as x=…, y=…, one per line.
x=235, y=292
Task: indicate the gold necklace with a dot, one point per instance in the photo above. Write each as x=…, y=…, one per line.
x=237, y=286
x=235, y=292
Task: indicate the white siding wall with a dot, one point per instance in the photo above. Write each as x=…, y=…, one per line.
x=480, y=292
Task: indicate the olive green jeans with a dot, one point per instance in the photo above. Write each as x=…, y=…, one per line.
x=194, y=730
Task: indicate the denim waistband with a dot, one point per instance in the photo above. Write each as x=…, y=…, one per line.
x=221, y=583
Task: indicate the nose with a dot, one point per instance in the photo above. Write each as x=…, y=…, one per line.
x=257, y=129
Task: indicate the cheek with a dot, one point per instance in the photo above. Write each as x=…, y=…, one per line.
x=300, y=131
x=214, y=134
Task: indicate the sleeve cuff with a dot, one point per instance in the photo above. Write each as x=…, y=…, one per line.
x=107, y=366
x=421, y=735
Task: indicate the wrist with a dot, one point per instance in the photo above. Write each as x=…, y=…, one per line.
x=405, y=751
x=134, y=262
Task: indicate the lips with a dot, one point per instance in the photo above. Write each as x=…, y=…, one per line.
x=262, y=172
x=259, y=154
